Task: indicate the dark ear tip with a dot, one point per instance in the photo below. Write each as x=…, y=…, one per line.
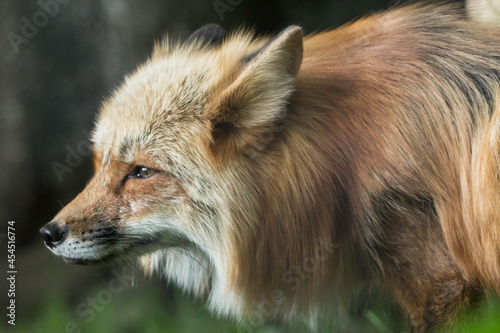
x=210, y=35
x=213, y=26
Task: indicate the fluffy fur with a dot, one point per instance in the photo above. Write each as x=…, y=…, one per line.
x=484, y=10
x=293, y=174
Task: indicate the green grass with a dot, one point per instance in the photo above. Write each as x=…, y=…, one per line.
x=146, y=311
x=485, y=320
x=128, y=312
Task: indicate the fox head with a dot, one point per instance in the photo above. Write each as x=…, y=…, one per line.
x=177, y=149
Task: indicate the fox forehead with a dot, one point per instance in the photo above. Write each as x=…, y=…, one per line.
x=162, y=102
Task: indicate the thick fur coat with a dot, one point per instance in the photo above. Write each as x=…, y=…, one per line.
x=286, y=176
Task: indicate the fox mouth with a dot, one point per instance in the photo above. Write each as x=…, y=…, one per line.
x=83, y=262
x=108, y=252
x=111, y=243
x=87, y=262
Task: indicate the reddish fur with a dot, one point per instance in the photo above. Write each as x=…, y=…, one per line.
x=378, y=159
x=372, y=116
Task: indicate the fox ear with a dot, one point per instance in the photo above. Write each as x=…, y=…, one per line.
x=256, y=100
x=211, y=35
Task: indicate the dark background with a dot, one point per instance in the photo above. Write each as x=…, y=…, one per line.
x=51, y=86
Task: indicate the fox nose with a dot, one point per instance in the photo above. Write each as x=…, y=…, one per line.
x=53, y=233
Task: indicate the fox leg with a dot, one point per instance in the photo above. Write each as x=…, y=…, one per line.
x=418, y=269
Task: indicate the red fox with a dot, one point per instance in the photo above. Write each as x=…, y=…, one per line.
x=283, y=177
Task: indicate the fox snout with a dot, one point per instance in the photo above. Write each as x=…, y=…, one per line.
x=77, y=245
x=123, y=211
x=84, y=231
x=53, y=233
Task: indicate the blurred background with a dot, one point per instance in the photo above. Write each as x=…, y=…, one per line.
x=58, y=60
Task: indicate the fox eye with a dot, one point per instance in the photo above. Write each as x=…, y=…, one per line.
x=141, y=172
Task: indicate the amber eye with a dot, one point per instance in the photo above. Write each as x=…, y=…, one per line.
x=141, y=172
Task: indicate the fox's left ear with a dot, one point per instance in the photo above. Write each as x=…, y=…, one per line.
x=257, y=98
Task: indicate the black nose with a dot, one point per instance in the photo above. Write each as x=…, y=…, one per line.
x=53, y=233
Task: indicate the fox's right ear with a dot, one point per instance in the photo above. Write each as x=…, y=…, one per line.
x=257, y=98
x=211, y=35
